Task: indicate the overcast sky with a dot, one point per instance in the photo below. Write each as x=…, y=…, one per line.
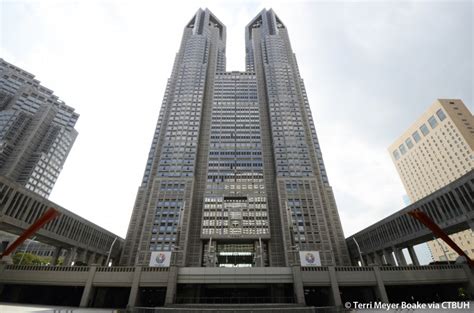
x=370, y=69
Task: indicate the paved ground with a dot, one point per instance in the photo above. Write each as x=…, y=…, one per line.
x=25, y=308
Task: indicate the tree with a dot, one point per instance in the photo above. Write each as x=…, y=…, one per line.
x=29, y=259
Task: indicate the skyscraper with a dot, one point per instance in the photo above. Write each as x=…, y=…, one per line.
x=36, y=130
x=435, y=150
x=235, y=175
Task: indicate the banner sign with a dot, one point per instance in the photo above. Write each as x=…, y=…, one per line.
x=160, y=258
x=310, y=258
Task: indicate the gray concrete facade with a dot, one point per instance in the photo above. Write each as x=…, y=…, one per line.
x=333, y=277
x=230, y=179
x=83, y=241
x=36, y=130
x=451, y=208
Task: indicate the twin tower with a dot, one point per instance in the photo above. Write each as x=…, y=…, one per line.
x=235, y=175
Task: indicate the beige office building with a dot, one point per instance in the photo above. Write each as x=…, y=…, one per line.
x=434, y=151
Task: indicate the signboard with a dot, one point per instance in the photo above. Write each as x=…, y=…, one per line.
x=160, y=259
x=310, y=258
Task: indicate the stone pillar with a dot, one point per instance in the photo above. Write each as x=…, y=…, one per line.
x=91, y=259
x=70, y=256
x=87, y=288
x=171, y=286
x=378, y=259
x=380, y=291
x=413, y=257
x=401, y=261
x=55, y=257
x=470, y=282
x=471, y=224
x=336, y=295
x=298, y=285
x=388, y=257
x=132, y=299
x=81, y=255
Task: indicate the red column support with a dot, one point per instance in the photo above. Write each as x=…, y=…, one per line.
x=50, y=214
x=423, y=218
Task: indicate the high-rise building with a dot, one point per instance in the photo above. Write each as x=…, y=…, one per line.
x=36, y=130
x=235, y=175
x=436, y=150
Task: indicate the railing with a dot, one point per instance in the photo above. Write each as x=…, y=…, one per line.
x=354, y=269
x=233, y=300
x=155, y=269
x=116, y=269
x=421, y=267
x=47, y=268
x=256, y=309
x=314, y=269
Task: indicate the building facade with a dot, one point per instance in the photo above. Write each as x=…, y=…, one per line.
x=235, y=175
x=436, y=150
x=36, y=130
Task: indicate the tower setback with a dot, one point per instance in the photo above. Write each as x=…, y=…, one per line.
x=235, y=175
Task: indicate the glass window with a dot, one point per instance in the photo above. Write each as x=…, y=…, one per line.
x=402, y=148
x=416, y=136
x=424, y=130
x=433, y=122
x=441, y=114
x=396, y=154
x=409, y=143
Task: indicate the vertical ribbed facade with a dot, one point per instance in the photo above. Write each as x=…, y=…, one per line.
x=36, y=130
x=235, y=175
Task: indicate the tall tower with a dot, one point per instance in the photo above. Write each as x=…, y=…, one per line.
x=235, y=175
x=435, y=150
x=36, y=130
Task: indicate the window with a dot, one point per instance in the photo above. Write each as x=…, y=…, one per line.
x=402, y=148
x=409, y=143
x=441, y=115
x=433, y=122
x=416, y=136
x=396, y=154
x=424, y=130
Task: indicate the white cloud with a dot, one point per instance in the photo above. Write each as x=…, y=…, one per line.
x=370, y=69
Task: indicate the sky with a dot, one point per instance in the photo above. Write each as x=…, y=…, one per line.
x=370, y=69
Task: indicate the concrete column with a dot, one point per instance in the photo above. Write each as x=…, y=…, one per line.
x=471, y=224
x=380, y=291
x=81, y=255
x=55, y=257
x=470, y=283
x=91, y=259
x=401, y=261
x=334, y=286
x=388, y=257
x=298, y=285
x=132, y=299
x=171, y=287
x=378, y=259
x=100, y=260
x=70, y=256
x=413, y=257
x=87, y=288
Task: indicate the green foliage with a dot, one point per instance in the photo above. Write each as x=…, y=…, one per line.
x=30, y=259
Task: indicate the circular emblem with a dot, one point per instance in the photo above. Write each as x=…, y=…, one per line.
x=310, y=258
x=160, y=258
